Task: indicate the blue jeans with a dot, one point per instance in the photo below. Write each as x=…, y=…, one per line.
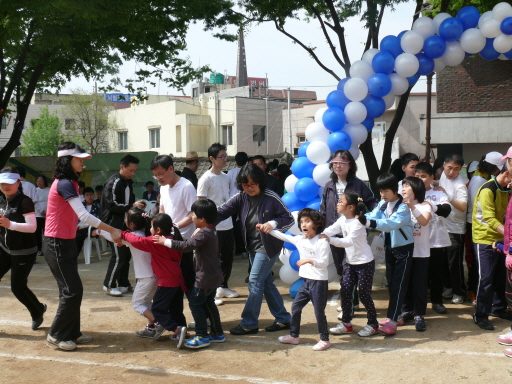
x=261, y=283
x=202, y=305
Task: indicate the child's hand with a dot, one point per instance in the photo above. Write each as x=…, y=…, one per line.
x=494, y=245
x=157, y=239
x=301, y=262
x=427, y=203
x=439, y=188
x=197, y=230
x=265, y=228
x=140, y=204
x=322, y=236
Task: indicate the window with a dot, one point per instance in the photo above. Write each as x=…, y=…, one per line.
x=379, y=130
x=69, y=123
x=301, y=139
x=227, y=134
x=195, y=92
x=154, y=138
x=122, y=140
x=258, y=133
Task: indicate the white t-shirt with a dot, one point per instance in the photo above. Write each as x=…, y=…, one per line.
x=42, y=200
x=177, y=202
x=232, y=174
x=340, y=187
x=29, y=190
x=439, y=236
x=455, y=189
x=400, y=187
x=421, y=233
x=474, y=185
x=216, y=188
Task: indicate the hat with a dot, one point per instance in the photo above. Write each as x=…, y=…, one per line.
x=495, y=158
x=472, y=167
x=73, y=152
x=192, y=155
x=508, y=155
x=9, y=178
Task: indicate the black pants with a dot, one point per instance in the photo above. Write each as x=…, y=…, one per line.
x=20, y=267
x=473, y=268
x=118, y=267
x=202, y=305
x=340, y=262
x=61, y=256
x=237, y=233
x=437, y=267
x=358, y=275
x=187, y=270
x=416, y=296
x=41, y=223
x=316, y=292
x=398, y=273
x=226, y=242
x=455, y=253
x=168, y=307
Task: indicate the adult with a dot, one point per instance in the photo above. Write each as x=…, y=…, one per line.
x=150, y=194
x=117, y=199
x=273, y=183
x=256, y=204
x=93, y=207
x=41, y=204
x=240, y=160
x=59, y=245
x=190, y=169
x=29, y=189
x=18, y=245
x=214, y=185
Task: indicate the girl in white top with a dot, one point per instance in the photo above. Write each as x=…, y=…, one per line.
x=360, y=263
x=415, y=304
x=314, y=259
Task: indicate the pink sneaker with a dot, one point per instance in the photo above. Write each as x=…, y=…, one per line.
x=322, y=345
x=385, y=321
x=508, y=352
x=400, y=321
x=389, y=328
x=288, y=339
x=505, y=339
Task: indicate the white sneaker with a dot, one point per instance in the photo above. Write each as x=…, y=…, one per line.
x=125, y=289
x=340, y=316
x=368, y=331
x=192, y=325
x=341, y=329
x=339, y=309
x=83, y=339
x=218, y=302
x=64, y=345
x=457, y=299
x=113, y=291
x=447, y=293
x=226, y=292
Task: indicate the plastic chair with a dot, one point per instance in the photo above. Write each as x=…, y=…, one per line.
x=88, y=246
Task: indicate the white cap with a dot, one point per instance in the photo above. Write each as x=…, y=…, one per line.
x=473, y=166
x=73, y=152
x=494, y=158
x=9, y=178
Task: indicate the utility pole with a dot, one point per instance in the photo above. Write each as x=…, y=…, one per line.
x=429, y=110
x=266, y=124
x=290, y=121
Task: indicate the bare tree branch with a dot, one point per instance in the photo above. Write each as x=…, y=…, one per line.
x=327, y=37
x=340, y=31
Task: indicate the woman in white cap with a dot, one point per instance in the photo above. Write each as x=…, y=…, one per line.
x=64, y=210
x=18, y=246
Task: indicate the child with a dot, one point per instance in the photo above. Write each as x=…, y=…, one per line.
x=201, y=298
x=145, y=289
x=360, y=262
x=415, y=305
x=393, y=218
x=409, y=162
x=314, y=259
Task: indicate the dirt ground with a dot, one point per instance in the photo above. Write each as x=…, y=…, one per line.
x=452, y=349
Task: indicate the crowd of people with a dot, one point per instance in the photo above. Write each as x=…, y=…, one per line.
x=429, y=220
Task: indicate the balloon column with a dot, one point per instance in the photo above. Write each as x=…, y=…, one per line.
x=375, y=81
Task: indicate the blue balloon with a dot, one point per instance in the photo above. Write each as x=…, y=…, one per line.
x=288, y=245
x=294, y=257
x=391, y=44
x=294, y=288
x=401, y=34
x=469, y=17
x=451, y=29
x=334, y=119
x=383, y=62
x=337, y=99
x=379, y=84
x=314, y=204
x=413, y=79
x=508, y=54
x=506, y=26
x=368, y=123
x=306, y=189
x=375, y=106
x=342, y=82
x=489, y=53
x=302, y=167
x=339, y=140
x=426, y=64
x=434, y=46
x=302, y=149
x=293, y=203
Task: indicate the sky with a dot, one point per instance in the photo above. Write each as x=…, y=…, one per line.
x=270, y=53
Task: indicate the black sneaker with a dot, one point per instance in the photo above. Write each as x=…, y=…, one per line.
x=420, y=324
x=484, y=324
x=36, y=323
x=277, y=327
x=439, y=308
x=506, y=315
x=407, y=316
x=240, y=331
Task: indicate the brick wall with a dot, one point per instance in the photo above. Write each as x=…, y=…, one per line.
x=477, y=85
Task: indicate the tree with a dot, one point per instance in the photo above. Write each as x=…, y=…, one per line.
x=44, y=43
x=44, y=136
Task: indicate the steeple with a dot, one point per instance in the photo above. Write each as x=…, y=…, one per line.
x=241, y=66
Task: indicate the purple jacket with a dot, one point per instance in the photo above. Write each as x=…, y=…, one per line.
x=271, y=208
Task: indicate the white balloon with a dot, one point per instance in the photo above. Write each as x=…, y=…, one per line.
x=322, y=174
x=502, y=43
x=361, y=69
x=316, y=131
x=389, y=99
x=406, y=64
x=425, y=26
x=501, y=11
x=485, y=16
x=354, y=151
x=332, y=274
x=503, y=57
x=439, y=18
x=491, y=28
x=357, y=133
x=355, y=112
x=370, y=54
x=355, y=89
x=318, y=152
x=287, y=274
x=284, y=256
x=294, y=230
x=399, y=84
x=319, y=114
x=454, y=53
x=472, y=40
x=412, y=42
x=439, y=65
x=289, y=183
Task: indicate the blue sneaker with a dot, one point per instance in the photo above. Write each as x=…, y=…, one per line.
x=217, y=339
x=198, y=342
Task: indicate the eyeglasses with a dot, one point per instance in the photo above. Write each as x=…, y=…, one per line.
x=223, y=157
x=249, y=185
x=158, y=177
x=339, y=163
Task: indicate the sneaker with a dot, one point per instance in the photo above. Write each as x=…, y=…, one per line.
x=146, y=333
x=447, y=293
x=389, y=328
x=508, y=352
x=174, y=337
x=198, y=342
x=457, y=299
x=322, y=345
x=439, y=308
x=385, y=321
x=192, y=325
x=400, y=321
x=277, y=327
x=342, y=329
x=180, y=334
x=240, y=331
x=406, y=316
x=159, y=331
x=368, y=331
x=505, y=339
x=36, y=323
x=64, y=345
x=289, y=339
x=218, y=302
x=125, y=289
x=40, y=253
x=484, y=324
x=421, y=326
x=83, y=339
x=112, y=291
x=217, y=339
x=226, y=292
x=339, y=309
x=505, y=315
x=340, y=315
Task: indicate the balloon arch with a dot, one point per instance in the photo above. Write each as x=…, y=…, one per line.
x=374, y=81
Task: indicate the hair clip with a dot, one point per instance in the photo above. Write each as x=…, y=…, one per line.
x=359, y=199
x=145, y=215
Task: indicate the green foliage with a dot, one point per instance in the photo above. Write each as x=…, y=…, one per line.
x=44, y=136
x=455, y=5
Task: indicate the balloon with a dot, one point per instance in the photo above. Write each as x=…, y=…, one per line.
x=354, y=151
x=389, y=99
x=508, y=54
x=294, y=229
x=426, y=64
x=336, y=99
x=287, y=274
x=438, y=19
x=331, y=273
x=306, y=189
x=319, y=114
x=485, y=16
x=406, y=64
x=339, y=140
x=391, y=44
x=451, y=29
x=439, y=65
x=413, y=79
x=503, y=43
x=383, y=62
x=491, y=28
x=502, y=57
x=454, y=54
x=501, y=11
x=469, y=17
x=302, y=167
x=399, y=84
x=289, y=183
x=318, y=152
x=412, y=42
x=314, y=204
x=334, y=119
x=361, y=69
x=369, y=55
x=293, y=203
x=489, y=53
x=375, y=106
x=368, y=123
x=379, y=84
x=357, y=133
x=472, y=40
x=302, y=150
x=322, y=174
x=316, y=131
x=288, y=246
x=355, y=112
x=342, y=82
x=294, y=288
x=506, y=26
x=284, y=256
x=321, y=191
x=356, y=89
x=434, y=47
x=425, y=26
